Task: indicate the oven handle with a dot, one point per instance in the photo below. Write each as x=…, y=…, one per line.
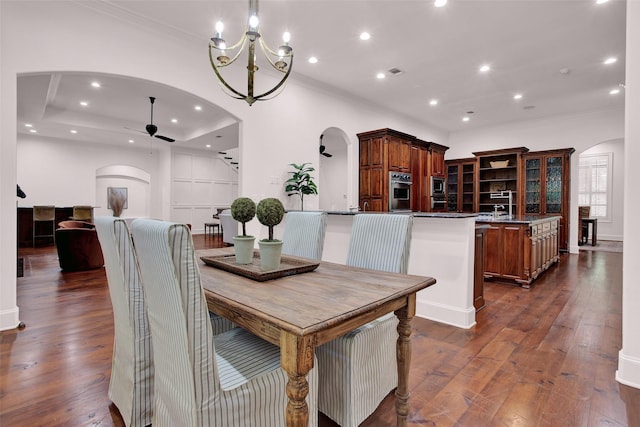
x=401, y=182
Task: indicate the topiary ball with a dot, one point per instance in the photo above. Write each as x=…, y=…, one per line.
x=270, y=212
x=243, y=209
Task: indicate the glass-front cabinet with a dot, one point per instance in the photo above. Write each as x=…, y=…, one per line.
x=546, y=186
x=461, y=185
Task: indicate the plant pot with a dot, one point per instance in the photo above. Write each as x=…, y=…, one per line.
x=243, y=247
x=270, y=254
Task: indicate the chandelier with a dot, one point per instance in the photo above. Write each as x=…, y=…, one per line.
x=277, y=59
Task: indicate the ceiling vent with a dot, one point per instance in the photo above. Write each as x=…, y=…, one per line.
x=395, y=71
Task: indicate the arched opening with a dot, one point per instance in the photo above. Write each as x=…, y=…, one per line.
x=333, y=182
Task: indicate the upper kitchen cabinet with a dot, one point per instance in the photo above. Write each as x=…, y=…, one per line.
x=399, y=146
x=461, y=185
x=437, y=159
x=498, y=174
x=545, y=187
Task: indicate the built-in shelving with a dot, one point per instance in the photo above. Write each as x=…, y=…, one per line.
x=498, y=173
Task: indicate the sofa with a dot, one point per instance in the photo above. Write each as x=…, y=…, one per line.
x=78, y=246
x=229, y=227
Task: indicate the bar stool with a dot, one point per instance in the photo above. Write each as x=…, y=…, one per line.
x=82, y=213
x=44, y=214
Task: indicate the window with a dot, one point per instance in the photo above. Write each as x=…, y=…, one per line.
x=594, y=184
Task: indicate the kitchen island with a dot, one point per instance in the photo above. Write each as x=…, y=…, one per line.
x=519, y=249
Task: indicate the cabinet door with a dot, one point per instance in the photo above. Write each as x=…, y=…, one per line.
x=399, y=155
x=467, y=188
x=437, y=163
x=532, y=191
x=553, y=185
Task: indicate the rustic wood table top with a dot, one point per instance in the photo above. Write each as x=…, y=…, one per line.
x=300, y=312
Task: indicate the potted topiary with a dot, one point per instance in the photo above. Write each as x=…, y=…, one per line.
x=301, y=182
x=243, y=209
x=270, y=212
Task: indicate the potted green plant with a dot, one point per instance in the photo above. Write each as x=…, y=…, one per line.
x=243, y=209
x=301, y=182
x=270, y=212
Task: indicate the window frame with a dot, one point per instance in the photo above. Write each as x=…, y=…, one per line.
x=608, y=184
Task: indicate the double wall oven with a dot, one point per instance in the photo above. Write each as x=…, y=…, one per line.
x=399, y=192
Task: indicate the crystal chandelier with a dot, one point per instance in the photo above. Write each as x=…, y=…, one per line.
x=278, y=60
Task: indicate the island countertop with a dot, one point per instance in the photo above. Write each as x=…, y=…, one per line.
x=414, y=214
x=517, y=219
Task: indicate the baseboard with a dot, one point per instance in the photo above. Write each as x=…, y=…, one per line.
x=628, y=372
x=611, y=237
x=9, y=319
x=449, y=315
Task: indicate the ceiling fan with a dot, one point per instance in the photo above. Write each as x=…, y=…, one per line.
x=323, y=148
x=151, y=129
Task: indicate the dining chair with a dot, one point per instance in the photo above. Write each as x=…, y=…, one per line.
x=303, y=234
x=82, y=213
x=232, y=379
x=131, y=383
x=359, y=369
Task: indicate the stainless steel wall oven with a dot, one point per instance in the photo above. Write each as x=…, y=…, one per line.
x=399, y=192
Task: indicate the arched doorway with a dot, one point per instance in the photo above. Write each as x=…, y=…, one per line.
x=333, y=181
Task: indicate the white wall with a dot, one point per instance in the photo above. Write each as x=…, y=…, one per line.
x=332, y=173
x=629, y=357
x=613, y=229
x=580, y=131
x=63, y=173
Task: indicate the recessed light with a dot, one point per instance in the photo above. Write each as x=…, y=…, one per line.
x=439, y=3
x=313, y=60
x=84, y=103
x=208, y=145
x=174, y=120
x=517, y=96
x=365, y=36
x=614, y=91
x=433, y=102
x=95, y=84
x=380, y=76
x=28, y=125
x=198, y=108
x=484, y=68
x=564, y=71
x=610, y=60
x=73, y=131
x=131, y=141
x=601, y=1
x=466, y=119
x=33, y=131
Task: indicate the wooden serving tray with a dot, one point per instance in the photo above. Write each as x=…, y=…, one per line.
x=288, y=266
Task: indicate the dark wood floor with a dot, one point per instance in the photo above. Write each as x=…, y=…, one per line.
x=540, y=357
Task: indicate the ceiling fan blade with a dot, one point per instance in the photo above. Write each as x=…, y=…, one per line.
x=165, y=138
x=136, y=130
x=327, y=155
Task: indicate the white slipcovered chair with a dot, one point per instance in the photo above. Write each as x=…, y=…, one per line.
x=304, y=234
x=131, y=383
x=359, y=369
x=233, y=379
x=229, y=226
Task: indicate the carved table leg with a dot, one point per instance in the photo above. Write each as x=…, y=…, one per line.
x=296, y=358
x=403, y=355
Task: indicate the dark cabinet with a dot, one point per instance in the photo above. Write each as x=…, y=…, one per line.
x=372, y=174
x=545, y=187
x=437, y=160
x=461, y=185
x=399, y=155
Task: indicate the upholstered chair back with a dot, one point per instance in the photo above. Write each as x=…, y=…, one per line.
x=304, y=234
x=380, y=242
x=131, y=383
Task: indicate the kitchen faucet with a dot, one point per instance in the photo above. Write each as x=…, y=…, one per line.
x=495, y=210
x=503, y=195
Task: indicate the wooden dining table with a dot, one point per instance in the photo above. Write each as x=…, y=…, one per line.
x=302, y=311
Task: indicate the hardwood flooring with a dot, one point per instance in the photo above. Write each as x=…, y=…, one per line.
x=540, y=357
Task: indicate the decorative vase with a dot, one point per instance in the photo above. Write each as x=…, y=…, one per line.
x=270, y=254
x=243, y=247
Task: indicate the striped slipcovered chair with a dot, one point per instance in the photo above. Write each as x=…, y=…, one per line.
x=304, y=234
x=233, y=379
x=131, y=383
x=359, y=369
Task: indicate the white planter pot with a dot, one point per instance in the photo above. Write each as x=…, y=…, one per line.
x=270, y=254
x=243, y=247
